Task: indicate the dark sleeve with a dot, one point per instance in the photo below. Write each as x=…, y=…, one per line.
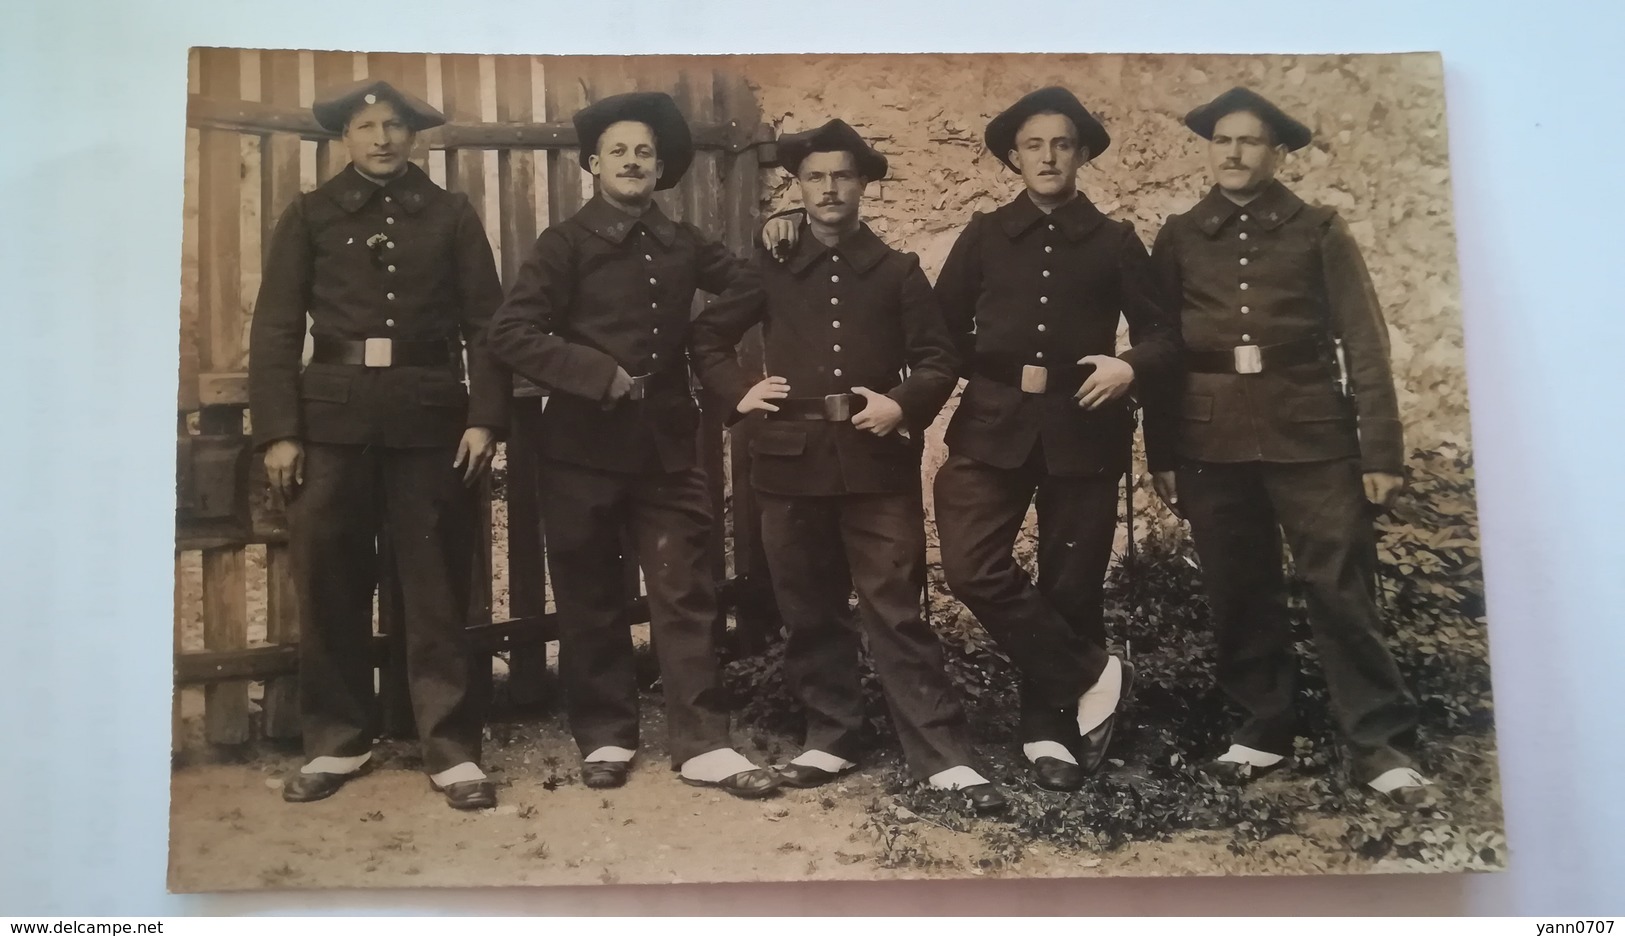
x=277, y=333
x=958, y=286
x=1357, y=319
x=719, y=268
x=1153, y=328
x=524, y=332
x=489, y=384
x=1162, y=401
x=716, y=332
x=933, y=365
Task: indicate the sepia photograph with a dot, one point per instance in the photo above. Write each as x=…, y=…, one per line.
x=748, y=468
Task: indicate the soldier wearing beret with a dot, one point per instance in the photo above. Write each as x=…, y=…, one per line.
x=599, y=315
x=1033, y=292
x=397, y=277
x=1262, y=442
x=860, y=362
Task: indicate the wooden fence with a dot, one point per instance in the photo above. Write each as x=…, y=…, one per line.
x=252, y=146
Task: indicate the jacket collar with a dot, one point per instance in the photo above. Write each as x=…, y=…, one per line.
x=1272, y=208
x=351, y=190
x=862, y=248
x=1076, y=218
x=614, y=225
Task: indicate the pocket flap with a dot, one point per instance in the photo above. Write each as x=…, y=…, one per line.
x=778, y=440
x=324, y=386
x=1319, y=408
x=1196, y=407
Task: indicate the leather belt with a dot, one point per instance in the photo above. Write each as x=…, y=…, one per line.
x=1255, y=359
x=381, y=352
x=836, y=407
x=1064, y=378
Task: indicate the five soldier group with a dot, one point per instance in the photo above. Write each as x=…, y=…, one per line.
x=1238, y=318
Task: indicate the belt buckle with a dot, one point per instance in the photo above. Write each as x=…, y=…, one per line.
x=838, y=407
x=1034, y=379
x=640, y=387
x=379, y=352
x=1249, y=359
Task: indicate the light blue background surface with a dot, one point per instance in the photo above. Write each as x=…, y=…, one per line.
x=92, y=106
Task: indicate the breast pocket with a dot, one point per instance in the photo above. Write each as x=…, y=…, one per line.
x=778, y=441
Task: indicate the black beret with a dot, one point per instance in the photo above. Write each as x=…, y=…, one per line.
x=334, y=108
x=1288, y=132
x=673, y=141
x=1001, y=130
x=834, y=137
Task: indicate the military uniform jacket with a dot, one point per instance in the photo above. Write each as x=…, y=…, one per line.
x=405, y=260
x=859, y=314
x=605, y=289
x=1045, y=289
x=1273, y=271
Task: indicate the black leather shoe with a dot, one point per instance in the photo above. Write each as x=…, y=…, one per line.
x=747, y=784
x=310, y=787
x=604, y=775
x=470, y=794
x=806, y=776
x=1052, y=773
x=1092, y=747
x=985, y=797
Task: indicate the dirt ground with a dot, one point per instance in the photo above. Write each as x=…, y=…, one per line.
x=230, y=829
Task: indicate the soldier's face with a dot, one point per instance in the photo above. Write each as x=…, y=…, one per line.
x=378, y=139
x=1243, y=153
x=625, y=164
x=1048, y=155
x=831, y=187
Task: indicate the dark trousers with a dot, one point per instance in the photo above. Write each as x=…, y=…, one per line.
x=350, y=491
x=821, y=549
x=669, y=515
x=1052, y=630
x=1238, y=513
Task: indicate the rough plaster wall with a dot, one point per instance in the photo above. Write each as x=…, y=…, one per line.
x=1379, y=156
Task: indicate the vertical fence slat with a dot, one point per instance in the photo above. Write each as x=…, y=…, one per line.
x=221, y=329
x=527, y=579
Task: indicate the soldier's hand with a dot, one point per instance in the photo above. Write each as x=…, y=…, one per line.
x=1111, y=379
x=618, y=388
x=1382, y=488
x=779, y=235
x=758, y=398
x=285, y=467
x=1168, y=490
x=880, y=415
x=474, y=453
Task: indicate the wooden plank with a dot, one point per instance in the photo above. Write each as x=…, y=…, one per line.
x=177, y=725
x=567, y=92
x=332, y=70
x=225, y=627
x=190, y=283
x=460, y=88
x=221, y=316
x=527, y=575
x=279, y=86
x=281, y=702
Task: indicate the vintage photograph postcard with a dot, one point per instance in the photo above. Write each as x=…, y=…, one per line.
x=808, y=467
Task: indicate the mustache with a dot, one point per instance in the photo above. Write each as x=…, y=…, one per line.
x=830, y=203
x=631, y=173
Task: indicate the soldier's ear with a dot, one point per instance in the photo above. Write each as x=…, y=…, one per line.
x=660, y=168
x=594, y=164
